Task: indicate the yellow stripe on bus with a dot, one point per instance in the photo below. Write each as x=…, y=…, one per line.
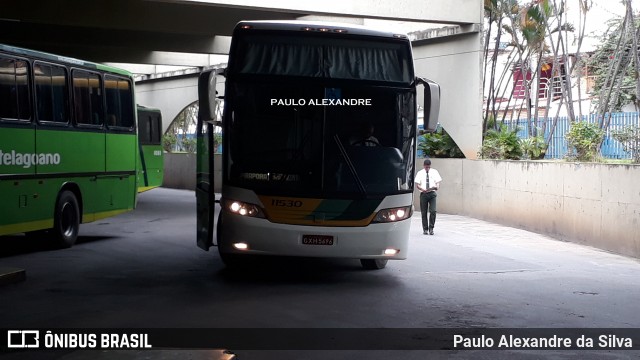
x=142, y=189
x=48, y=223
x=302, y=211
x=26, y=227
x=106, y=214
x=320, y=222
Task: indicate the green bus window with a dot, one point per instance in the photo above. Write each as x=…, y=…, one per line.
x=120, y=108
x=149, y=129
x=51, y=93
x=144, y=129
x=87, y=95
x=156, y=125
x=14, y=89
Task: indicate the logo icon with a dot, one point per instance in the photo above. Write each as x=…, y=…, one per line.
x=21, y=339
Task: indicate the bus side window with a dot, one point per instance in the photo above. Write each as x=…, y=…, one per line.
x=14, y=90
x=144, y=122
x=87, y=98
x=119, y=100
x=112, y=120
x=156, y=130
x=51, y=93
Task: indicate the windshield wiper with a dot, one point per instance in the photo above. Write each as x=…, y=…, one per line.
x=347, y=160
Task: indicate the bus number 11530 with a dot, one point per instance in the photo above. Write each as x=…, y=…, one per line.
x=286, y=203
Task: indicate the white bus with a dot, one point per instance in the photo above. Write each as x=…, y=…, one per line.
x=296, y=179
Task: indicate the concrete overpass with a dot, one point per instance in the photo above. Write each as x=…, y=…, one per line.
x=191, y=32
x=170, y=31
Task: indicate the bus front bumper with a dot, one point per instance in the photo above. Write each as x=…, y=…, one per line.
x=257, y=236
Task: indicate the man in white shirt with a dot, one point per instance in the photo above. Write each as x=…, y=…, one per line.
x=428, y=182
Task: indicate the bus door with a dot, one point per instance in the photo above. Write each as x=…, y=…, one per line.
x=118, y=186
x=209, y=116
x=17, y=147
x=54, y=136
x=150, y=166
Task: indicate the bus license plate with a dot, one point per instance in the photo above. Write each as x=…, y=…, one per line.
x=317, y=240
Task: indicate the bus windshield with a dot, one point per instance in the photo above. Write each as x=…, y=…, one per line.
x=320, y=139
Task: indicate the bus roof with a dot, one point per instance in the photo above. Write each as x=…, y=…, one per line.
x=318, y=26
x=61, y=59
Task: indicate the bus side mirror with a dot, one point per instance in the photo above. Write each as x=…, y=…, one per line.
x=431, y=104
x=207, y=85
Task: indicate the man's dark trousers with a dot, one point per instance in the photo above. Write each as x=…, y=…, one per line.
x=428, y=204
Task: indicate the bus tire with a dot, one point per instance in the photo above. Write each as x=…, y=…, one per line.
x=66, y=220
x=373, y=264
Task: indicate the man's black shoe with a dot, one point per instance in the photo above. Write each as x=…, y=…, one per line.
x=425, y=232
x=430, y=231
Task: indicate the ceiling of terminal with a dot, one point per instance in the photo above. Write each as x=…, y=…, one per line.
x=180, y=32
x=122, y=30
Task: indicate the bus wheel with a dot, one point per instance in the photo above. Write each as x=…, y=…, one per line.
x=66, y=220
x=373, y=264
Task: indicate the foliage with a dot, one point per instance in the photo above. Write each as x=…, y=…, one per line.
x=533, y=24
x=180, y=135
x=217, y=140
x=501, y=144
x=614, y=68
x=584, y=139
x=169, y=140
x=439, y=145
x=189, y=145
x=629, y=137
x=533, y=147
x=527, y=44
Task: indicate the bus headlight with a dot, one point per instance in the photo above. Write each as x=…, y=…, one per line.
x=243, y=208
x=393, y=214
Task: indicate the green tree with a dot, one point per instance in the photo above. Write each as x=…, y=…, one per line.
x=537, y=34
x=533, y=147
x=189, y=145
x=439, y=144
x=584, y=139
x=615, y=66
x=182, y=129
x=629, y=137
x=169, y=141
x=501, y=144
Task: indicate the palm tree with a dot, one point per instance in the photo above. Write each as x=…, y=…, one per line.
x=496, y=11
x=616, y=65
x=537, y=30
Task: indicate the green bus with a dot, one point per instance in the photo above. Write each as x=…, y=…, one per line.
x=151, y=160
x=68, y=143
x=299, y=178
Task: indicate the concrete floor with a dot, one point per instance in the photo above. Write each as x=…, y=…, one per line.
x=143, y=270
